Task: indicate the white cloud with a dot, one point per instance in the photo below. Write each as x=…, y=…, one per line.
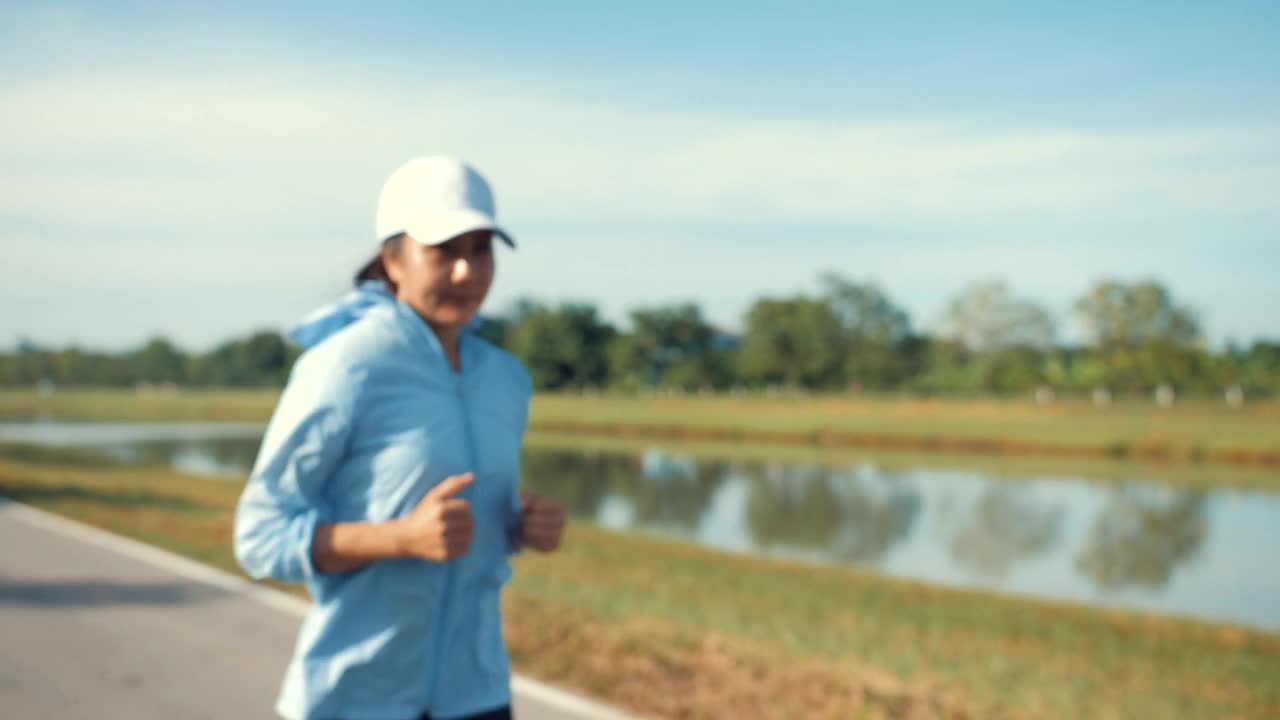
x=273, y=147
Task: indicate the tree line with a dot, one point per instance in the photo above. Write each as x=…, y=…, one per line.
x=843, y=336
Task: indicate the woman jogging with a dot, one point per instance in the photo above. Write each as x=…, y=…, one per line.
x=387, y=478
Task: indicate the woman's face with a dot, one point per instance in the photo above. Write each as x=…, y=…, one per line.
x=445, y=283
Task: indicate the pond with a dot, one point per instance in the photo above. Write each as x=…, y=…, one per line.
x=1138, y=544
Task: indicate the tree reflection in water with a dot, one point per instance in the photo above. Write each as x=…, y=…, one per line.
x=1142, y=535
x=675, y=491
x=846, y=515
x=1008, y=523
x=662, y=491
x=579, y=480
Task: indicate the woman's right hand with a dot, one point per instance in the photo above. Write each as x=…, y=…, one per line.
x=440, y=528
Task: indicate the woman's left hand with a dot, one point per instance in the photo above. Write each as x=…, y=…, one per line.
x=543, y=521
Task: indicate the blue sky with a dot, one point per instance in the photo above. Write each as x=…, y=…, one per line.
x=202, y=173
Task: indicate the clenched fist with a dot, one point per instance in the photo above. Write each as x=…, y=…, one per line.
x=542, y=522
x=440, y=528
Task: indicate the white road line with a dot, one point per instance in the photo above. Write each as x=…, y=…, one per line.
x=193, y=570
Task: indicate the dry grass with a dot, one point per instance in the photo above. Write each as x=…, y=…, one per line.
x=651, y=667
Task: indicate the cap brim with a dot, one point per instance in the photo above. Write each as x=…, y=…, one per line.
x=439, y=228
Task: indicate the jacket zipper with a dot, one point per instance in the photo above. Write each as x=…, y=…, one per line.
x=450, y=569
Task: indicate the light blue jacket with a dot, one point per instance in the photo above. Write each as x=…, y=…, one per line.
x=372, y=418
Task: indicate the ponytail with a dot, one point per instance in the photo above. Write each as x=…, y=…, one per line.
x=376, y=269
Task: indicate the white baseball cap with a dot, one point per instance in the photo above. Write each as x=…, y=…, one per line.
x=435, y=199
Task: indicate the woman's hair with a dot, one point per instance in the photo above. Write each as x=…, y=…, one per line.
x=375, y=269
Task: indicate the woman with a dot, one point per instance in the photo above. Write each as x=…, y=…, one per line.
x=387, y=478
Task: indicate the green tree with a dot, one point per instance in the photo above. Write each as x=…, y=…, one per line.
x=494, y=329
x=1259, y=369
x=33, y=363
x=159, y=361
x=262, y=359
x=1118, y=315
x=874, y=332
x=671, y=345
x=563, y=346
x=1010, y=370
x=797, y=342
x=74, y=366
x=948, y=367
x=1140, y=335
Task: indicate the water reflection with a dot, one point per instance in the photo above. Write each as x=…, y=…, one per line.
x=1137, y=544
x=1142, y=535
x=847, y=516
x=218, y=449
x=228, y=456
x=675, y=493
x=1007, y=524
x=579, y=480
x=655, y=490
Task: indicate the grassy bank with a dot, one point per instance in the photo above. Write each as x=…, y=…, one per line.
x=1101, y=470
x=680, y=631
x=1190, y=432
x=1201, y=432
x=130, y=406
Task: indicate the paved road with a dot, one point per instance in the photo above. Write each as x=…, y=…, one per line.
x=97, y=626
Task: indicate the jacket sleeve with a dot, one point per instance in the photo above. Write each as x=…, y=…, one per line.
x=284, y=500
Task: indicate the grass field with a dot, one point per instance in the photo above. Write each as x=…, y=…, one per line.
x=1197, y=432
x=127, y=405
x=678, y=631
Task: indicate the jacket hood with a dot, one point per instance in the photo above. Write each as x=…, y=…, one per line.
x=331, y=318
